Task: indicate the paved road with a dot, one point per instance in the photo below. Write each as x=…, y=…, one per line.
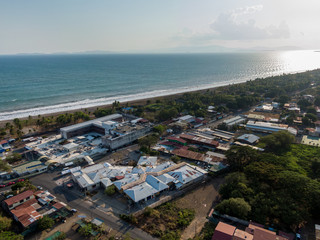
x=47, y=181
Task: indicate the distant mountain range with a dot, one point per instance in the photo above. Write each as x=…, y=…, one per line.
x=182, y=49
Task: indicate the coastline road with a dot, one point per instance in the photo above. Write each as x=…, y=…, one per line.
x=47, y=181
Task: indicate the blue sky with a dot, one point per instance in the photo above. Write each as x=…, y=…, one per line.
x=45, y=26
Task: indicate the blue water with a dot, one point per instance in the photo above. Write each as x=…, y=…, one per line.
x=32, y=85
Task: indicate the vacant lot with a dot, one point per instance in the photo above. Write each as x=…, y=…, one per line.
x=201, y=200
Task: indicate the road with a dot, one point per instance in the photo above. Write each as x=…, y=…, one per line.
x=47, y=181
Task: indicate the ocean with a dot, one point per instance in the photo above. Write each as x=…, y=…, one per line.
x=43, y=84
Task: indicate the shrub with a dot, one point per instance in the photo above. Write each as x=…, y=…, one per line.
x=110, y=190
x=45, y=223
x=129, y=218
x=62, y=236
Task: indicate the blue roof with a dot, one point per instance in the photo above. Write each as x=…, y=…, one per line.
x=250, y=138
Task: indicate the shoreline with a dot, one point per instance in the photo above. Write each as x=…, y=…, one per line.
x=134, y=99
x=164, y=94
x=99, y=103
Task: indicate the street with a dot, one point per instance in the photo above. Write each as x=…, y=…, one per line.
x=47, y=181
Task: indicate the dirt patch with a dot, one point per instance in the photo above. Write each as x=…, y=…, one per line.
x=201, y=200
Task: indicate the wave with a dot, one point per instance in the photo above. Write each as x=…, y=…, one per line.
x=88, y=103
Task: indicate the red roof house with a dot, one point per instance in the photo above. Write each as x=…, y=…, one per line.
x=223, y=232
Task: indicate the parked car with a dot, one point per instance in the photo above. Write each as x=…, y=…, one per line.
x=2, y=186
x=20, y=180
x=74, y=210
x=10, y=183
x=9, y=196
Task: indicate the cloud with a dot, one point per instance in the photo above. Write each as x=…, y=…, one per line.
x=246, y=10
x=235, y=25
x=228, y=27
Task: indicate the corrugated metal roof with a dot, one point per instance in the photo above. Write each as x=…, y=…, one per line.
x=18, y=197
x=156, y=183
x=140, y=192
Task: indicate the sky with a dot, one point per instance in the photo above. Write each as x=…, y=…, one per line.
x=46, y=26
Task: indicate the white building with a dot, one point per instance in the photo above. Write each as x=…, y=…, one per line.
x=147, y=160
x=142, y=186
x=269, y=127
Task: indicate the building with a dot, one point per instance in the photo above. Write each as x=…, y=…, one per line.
x=17, y=200
x=119, y=135
x=248, y=139
x=256, y=117
x=216, y=157
x=217, y=133
x=27, y=207
x=225, y=231
x=147, y=160
x=202, y=141
x=267, y=127
x=234, y=121
x=177, y=140
x=264, y=108
x=311, y=141
x=30, y=168
x=241, y=235
x=141, y=183
x=317, y=231
x=4, y=146
x=95, y=125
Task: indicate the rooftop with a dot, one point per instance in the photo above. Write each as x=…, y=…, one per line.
x=251, y=138
x=18, y=197
x=223, y=231
x=87, y=123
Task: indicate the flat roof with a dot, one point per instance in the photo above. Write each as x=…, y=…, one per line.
x=234, y=120
x=87, y=123
x=29, y=166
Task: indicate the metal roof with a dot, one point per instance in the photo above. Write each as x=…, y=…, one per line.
x=87, y=123
x=156, y=183
x=250, y=138
x=140, y=192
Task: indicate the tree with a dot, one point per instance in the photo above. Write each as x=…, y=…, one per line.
x=45, y=222
x=10, y=236
x=85, y=230
x=14, y=157
x=239, y=156
x=236, y=186
x=311, y=116
x=62, y=236
x=166, y=114
x=236, y=207
x=278, y=141
x=306, y=122
x=5, y=223
x=110, y=190
x=4, y=166
x=148, y=141
x=317, y=101
x=159, y=129
x=175, y=159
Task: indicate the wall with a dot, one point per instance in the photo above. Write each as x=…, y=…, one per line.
x=120, y=141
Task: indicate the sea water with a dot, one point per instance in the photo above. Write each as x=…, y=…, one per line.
x=43, y=84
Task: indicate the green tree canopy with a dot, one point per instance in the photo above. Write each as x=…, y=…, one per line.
x=4, y=166
x=236, y=207
x=6, y=235
x=45, y=222
x=278, y=141
x=5, y=223
x=239, y=156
